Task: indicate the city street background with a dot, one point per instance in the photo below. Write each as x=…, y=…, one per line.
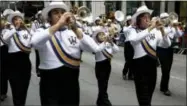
x=121, y=92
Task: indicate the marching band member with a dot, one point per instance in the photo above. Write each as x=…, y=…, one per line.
x=19, y=73
x=4, y=55
x=87, y=28
x=128, y=51
x=165, y=54
x=97, y=21
x=103, y=66
x=59, y=50
x=38, y=22
x=145, y=37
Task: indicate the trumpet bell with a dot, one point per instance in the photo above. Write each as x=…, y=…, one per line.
x=173, y=17
x=83, y=12
x=119, y=16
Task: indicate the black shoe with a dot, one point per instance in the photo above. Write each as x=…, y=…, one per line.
x=3, y=97
x=124, y=77
x=130, y=78
x=38, y=74
x=105, y=102
x=167, y=92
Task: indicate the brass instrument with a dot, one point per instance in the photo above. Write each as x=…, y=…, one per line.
x=119, y=16
x=24, y=26
x=173, y=18
x=83, y=12
x=159, y=24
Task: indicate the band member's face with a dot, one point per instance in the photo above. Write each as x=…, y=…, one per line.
x=129, y=22
x=17, y=21
x=97, y=22
x=145, y=20
x=165, y=20
x=56, y=14
x=100, y=36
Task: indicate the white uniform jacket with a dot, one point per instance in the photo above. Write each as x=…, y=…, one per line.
x=145, y=42
x=63, y=48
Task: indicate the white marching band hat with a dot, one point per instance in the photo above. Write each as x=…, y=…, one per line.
x=7, y=12
x=53, y=5
x=164, y=15
x=38, y=13
x=129, y=17
x=140, y=10
x=12, y=15
x=97, y=30
x=97, y=18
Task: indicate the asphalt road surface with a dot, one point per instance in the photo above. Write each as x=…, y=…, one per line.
x=121, y=92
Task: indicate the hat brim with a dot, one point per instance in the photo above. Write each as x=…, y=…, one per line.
x=11, y=16
x=140, y=12
x=47, y=9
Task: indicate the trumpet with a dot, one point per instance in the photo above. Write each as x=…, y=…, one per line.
x=173, y=18
x=24, y=26
x=159, y=24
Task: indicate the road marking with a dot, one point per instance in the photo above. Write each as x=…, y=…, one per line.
x=178, y=78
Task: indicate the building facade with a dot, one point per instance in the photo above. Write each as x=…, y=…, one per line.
x=129, y=7
x=103, y=7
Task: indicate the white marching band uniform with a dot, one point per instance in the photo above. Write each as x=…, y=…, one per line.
x=23, y=36
x=153, y=38
x=103, y=67
x=144, y=43
x=99, y=56
x=41, y=38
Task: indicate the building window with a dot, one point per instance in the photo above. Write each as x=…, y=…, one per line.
x=72, y=3
x=80, y=3
x=166, y=5
x=118, y=5
x=89, y=5
x=182, y=12
x=132, y=6
x=109, y=6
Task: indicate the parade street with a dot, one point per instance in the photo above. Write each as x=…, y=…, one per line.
x=121, y=92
